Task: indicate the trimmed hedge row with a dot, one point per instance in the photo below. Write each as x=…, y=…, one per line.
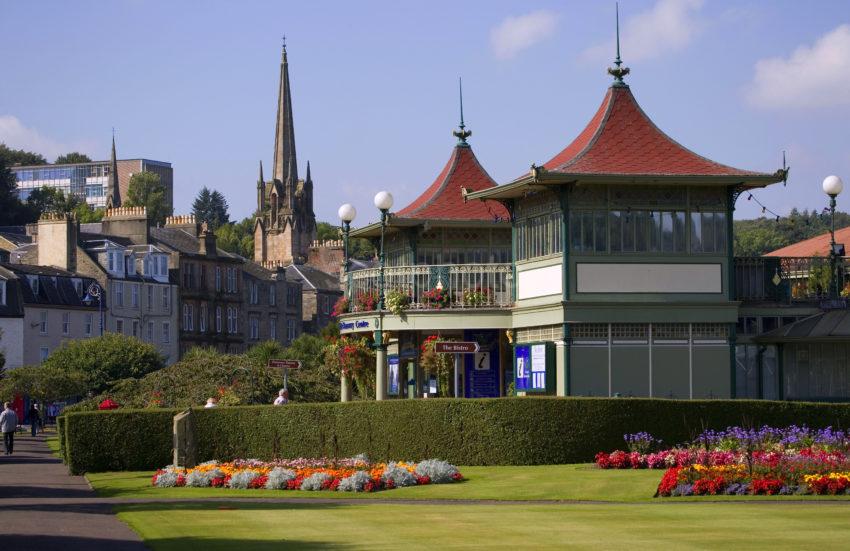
x=505, y=431
x=118, y=440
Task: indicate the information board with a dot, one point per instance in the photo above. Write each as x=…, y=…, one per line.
x=392, y=376
x=523, y=367
x=538, y=367
x=481, y=369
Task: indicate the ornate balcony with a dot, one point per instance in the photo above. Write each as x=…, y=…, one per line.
x=786, y=279
x=451, y=287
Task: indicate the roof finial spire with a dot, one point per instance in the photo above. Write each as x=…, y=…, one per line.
x=283, y=49
x=462, y=133
x=618, y=72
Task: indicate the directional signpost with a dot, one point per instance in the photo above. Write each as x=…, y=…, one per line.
x=457, y=348
x=285, y=365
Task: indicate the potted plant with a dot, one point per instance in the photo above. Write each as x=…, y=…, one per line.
x=437, y=298
x=341, y=306
x=366, y=301
x=476, y=296
x=397, y=301
x=433, y=362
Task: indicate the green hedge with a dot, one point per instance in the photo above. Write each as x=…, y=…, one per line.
x=60, y=432
x=118, y=440
x=506, y=431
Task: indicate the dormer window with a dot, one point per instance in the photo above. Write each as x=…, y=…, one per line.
x=129, y=265
x=33, y=284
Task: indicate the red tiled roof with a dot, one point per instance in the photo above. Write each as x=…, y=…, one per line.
x=815, y=246
x=443, y=200
x=621, y=139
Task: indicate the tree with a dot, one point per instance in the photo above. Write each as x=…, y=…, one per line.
x=145, y=190
x=72, y=158
x=106, y=359
x=211, y=207
x=237, y=237
x=86, y=214
x=358, y=247
x=12, y=210
x=44, y=383
x=51, y=199
x=11, y=157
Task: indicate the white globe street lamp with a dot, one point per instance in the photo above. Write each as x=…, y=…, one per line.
x=832, y=186
x=384, y=201
x=347, y=213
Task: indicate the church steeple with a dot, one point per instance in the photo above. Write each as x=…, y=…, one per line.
x=285, y=164
x=261, y=192
x=113, y=193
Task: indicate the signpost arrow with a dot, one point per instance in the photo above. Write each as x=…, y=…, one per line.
x=456, y=347
x=285, y=365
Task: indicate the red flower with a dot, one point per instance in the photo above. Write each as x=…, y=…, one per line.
x=422, y=480
x=669, y=481
x=108, y=404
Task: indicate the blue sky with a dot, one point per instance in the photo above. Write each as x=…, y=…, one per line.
x=375, y=87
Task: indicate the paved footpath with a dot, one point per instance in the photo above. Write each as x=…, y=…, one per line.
x=43, y=508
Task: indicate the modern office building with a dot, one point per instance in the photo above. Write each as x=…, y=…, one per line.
x=92, y=181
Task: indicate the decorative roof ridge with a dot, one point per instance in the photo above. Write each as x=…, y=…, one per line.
x=443, y=177
x=619, y=92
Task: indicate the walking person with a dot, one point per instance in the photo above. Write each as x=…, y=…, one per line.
x=35, y=418
x=282, y=397
x=8, y=426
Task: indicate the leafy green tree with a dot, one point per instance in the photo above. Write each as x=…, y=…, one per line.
x=237, y=237
x=11, y=157
x=211, y=207
x=44, y=383
x=315, y=381
x=106, y=359
x=72, y=158
x=146, y=190
x=358, y=248
x=12, y=211
x=51, y=199
x=86, y=214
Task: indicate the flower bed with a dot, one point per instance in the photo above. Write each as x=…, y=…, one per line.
x=354, y=474
x=737, y=461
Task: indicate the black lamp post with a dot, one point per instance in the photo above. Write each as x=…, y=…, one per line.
x=832, y=186
x=347, y=213
x=384, y=202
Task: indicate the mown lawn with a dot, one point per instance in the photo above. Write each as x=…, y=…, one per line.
x=544, y=482
x=360, y=525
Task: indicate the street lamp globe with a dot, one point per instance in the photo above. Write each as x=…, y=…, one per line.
x=347, y=213
x=384, y=200
x=832, y=185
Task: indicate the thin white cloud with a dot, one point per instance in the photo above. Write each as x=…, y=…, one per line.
x=668, y=26
x=813, y=76
x=18, y=136
x=515, y=34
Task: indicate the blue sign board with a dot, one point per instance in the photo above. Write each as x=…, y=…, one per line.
x=481, y=369
x=523, y=368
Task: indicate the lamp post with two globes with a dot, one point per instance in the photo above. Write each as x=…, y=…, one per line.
x=832, y=186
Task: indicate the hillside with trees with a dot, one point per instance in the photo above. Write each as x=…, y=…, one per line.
x=761, y=235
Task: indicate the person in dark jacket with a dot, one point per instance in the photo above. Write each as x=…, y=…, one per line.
x=35, y=418
x=8, y=426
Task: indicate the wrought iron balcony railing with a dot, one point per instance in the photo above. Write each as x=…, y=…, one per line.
x=458, y=286
x=787, y=279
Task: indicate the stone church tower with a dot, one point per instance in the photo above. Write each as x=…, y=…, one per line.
x=285, y=226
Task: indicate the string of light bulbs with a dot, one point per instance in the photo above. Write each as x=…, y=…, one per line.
x=764, y=209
